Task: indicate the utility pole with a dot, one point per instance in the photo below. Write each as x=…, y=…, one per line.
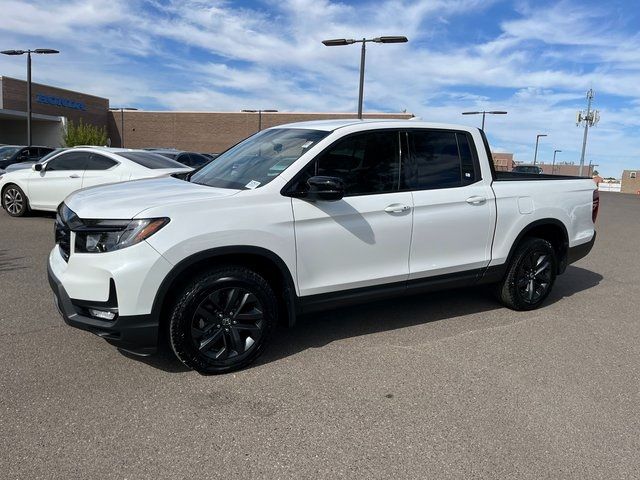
x=590, y=118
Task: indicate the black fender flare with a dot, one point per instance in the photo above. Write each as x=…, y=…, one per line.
x=289, y=292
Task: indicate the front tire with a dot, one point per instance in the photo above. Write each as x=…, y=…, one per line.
x=222, y=320
x=14, y=201
x=530, y=276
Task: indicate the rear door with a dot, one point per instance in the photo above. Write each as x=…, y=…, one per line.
x=454, y=209
x=363, y=239
x=61, y=176
x=100, y=169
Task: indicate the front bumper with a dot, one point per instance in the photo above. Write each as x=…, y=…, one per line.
x=137, y=334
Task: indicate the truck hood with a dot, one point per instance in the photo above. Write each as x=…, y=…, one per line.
x=127, y=199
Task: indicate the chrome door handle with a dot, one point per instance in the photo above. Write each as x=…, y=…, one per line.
x=397, y=208
x=476, y=200
x=74, y=176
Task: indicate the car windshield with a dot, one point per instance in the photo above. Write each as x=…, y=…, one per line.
x=6, y=152
x=151, y=160
x=258, y=159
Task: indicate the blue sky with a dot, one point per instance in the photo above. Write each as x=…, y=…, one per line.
x=535, y=59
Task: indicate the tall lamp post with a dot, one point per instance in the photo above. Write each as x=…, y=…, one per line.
x=337, y=42
x=121, y=110
x=553, y=165
x=535, y=155
x=259, y=112
x=495, y=112
x=41, y=51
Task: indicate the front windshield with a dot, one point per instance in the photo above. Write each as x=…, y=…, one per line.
x=7, y=152
x=258, y=159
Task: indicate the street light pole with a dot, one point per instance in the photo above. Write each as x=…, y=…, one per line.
x=121, y=110
x=484, y=113
x=45, y=51
x=259, y=112
x=344, y=41
x=535, y=155
x=553, y=165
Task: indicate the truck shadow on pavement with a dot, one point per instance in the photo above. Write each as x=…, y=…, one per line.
x=320, y=329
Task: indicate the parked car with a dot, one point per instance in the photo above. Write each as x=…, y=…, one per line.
x=10, y=154
x=303, y=217
x=46, y=184
x=533, y=169
x=190, y=159
x=29, y=163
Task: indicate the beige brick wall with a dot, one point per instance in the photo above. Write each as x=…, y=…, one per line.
x=628, y=184
x=209, y=132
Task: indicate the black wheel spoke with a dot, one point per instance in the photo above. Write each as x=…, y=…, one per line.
x=227, y=323
x=210, y=339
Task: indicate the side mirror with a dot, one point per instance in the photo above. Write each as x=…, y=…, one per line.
x=325, y=188
x=37, y=167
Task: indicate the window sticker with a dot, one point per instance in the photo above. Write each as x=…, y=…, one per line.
x=252, y=184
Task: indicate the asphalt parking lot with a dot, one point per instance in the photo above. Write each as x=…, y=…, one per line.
x=448, y=385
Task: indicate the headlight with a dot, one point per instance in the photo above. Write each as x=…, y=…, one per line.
x=98, y=236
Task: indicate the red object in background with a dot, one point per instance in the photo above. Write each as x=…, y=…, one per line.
x=595, y=205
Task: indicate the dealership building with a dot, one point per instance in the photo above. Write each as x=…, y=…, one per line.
x=53, y=108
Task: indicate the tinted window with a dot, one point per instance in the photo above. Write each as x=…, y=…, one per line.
x=68, y=161
x=197, y=160
x=184, y=159
x=367, y=163
x=99, y=162
x=32, y=154
x=150, y=160
x=438, y=159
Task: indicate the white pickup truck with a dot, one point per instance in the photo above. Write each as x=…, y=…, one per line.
x=303, y=217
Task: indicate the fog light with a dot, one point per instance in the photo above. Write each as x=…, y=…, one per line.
x=102, y=314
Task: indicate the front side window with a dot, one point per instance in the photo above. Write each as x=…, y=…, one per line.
x=258, y=159
x=68, y=161
x=367, y=163
x=438, y=159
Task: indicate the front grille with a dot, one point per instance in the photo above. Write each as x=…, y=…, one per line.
x=63, y=237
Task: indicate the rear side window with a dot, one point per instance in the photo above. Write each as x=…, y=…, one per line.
x=368, y=163
x=100, y=162
x=68, y=161
x=197, y=160
x=438, y=159
x=151, y=160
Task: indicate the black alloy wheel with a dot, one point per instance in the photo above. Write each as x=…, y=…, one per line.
x=534, y=276
x=228, y=323
x=14, y=201
x=530, y=275
x=222, y=320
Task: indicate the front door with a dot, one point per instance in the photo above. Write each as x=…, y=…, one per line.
x=363, y=239
x=60, y=176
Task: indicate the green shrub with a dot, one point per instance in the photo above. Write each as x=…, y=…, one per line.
x=84, y=134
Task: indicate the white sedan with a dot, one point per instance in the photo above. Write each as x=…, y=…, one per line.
x=46, y=184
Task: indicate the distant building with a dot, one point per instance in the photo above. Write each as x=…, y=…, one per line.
x=503, y=161
x=630, y=182
x=567, y=169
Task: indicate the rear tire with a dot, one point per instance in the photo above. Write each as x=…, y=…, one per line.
x=222, y=320
x=14, y=201
x=530, y=276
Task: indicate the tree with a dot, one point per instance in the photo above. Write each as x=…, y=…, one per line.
x=84, y=134
x=595, y=172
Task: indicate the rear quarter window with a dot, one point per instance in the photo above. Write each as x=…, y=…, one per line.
x=150, y=160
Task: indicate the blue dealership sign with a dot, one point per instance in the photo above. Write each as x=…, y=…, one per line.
x=59, y=102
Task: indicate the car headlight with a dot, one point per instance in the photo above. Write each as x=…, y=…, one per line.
x=98, y=236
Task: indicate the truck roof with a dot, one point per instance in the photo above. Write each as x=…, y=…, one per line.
x=331, y=125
